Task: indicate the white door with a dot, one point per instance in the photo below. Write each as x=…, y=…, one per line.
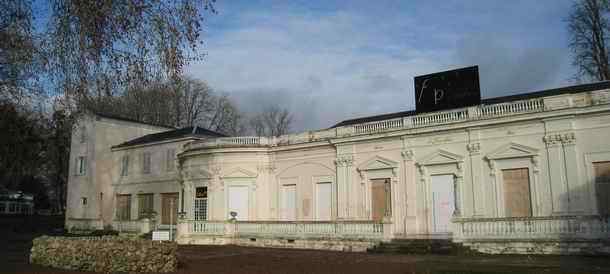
x=442, y=202
x=289, y=202
x=238, y=202
x=323, y=201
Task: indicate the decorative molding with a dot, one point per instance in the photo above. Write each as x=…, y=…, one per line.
x=268, y=168
x=474, y=148
x=377, y=162
x=344, y=160
x=440, y=157
x=568, y=139
x=512, y=150
x=552, y=140
x=240, y=173
x=407, y=155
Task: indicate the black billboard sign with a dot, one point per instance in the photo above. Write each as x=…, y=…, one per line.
x=448, y=89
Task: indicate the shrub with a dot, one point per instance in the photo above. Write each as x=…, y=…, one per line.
x=104, y=254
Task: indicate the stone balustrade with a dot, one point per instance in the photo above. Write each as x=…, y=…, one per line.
x=378, y=126
x=206, y=227
x=551, y=227
x=133, y=226
x=473, y=113
x=301, y=230
x=83, y=224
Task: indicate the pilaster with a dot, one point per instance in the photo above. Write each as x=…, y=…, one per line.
x=556, y=168
x=479, y=193
x=344, y=164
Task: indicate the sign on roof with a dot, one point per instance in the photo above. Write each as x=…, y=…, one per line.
x=448, y=89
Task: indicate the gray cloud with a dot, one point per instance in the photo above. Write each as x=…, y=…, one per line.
x=334, y=66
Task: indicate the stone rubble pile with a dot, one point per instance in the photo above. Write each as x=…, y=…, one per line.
x=104, y=254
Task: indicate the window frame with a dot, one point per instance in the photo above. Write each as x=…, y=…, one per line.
x=150, y=205
x=81, y=165
x=146, y=162
x=123, y=214
x=125, y=165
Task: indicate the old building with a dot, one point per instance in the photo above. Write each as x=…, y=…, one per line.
x=527, y=173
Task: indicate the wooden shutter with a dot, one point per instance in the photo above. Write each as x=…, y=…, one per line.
x=124, y=207
x=378, y=196
x=517, y=201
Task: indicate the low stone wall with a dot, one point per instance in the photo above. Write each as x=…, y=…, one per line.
x=104, y=254
x=536, y=246
x=349, y=245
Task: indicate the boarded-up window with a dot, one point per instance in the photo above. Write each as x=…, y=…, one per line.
x=146, y=162
x=170, y=159
x=380, y=194
x=123, y=208
x=146, y=205
x=169, y=208
x=602, y=186
x=517, y=202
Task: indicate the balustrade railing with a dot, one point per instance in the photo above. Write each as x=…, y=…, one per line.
x=497, y=110
x=351, y=230
x=553, y=227
x=439, y=118
x=378, y=126
x=206, y=227
x=415, y=121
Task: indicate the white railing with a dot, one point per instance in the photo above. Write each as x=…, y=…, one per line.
x=439, y=118
x=497, y=110
x=553, y=227
x=239, y=141
x=206, y=227
x=378, y=126
x=311, y=229
x=126, y=226
x=416, y=121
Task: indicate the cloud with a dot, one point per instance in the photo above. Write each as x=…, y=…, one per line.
x=334, y=65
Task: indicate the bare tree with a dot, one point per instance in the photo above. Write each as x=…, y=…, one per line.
x=588, y=28
x=18, y=50
x=272, y=121
x=224, y=117
x=99, y=48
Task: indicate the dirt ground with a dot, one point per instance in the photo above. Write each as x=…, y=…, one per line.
x=15, y=242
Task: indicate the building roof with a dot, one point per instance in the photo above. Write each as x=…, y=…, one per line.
x=195, y=132
x=120, y=118
x=487, y=101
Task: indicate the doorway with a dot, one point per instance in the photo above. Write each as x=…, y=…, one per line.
x=323, y=201
x=443, y=202
x=289, y=202
x=169, y=208
x=381, y=199
x=238, y=202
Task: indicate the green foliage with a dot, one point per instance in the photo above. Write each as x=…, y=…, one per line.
x=104, y=254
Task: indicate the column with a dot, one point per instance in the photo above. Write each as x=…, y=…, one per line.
x=478, y=192
x=343, y=164
x=458, y=190
x=409, y=194
x=577, y=190
x=556, y=168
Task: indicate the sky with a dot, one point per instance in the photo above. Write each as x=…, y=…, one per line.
x=328, y=61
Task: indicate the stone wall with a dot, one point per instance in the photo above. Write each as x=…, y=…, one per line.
x=104, y=254
x=549, y=247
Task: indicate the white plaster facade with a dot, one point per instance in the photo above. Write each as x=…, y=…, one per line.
x=554, y=137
